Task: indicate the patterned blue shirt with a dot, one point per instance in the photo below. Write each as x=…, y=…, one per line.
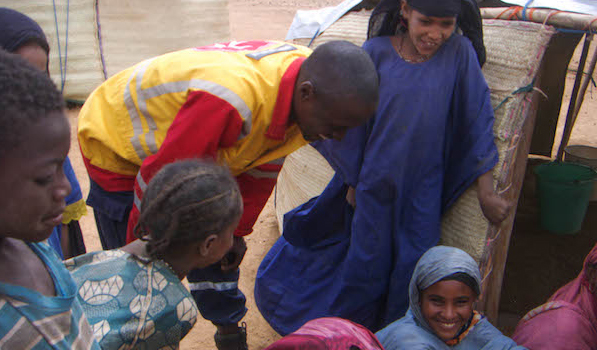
x=140, y=304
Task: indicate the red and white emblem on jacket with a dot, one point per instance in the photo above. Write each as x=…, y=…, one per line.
x=251, y=45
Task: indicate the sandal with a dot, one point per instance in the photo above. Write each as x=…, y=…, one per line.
x=233, y=341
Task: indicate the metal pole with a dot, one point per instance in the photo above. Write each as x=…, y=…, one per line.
x=570, y=118
x=583, y=88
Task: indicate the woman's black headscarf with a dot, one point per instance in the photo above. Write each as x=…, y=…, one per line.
x=16, y=29
x=386, y=19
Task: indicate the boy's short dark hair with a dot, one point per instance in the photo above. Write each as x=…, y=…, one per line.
x=27, y=95
x=339, y=68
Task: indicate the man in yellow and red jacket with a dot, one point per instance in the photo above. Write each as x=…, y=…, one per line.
x=247, y=104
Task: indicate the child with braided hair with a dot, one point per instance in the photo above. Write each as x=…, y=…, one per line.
x=133, y=296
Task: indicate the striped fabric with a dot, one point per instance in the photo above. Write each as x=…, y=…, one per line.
x=31, y=320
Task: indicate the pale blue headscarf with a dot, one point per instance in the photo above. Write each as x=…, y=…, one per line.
x=413, y=332
x=436, y=264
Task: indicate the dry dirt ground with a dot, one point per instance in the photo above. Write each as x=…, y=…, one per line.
x=262, y=19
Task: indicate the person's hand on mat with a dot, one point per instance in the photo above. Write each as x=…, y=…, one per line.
x=351, y=196
x=495, y=208
x=232, y=259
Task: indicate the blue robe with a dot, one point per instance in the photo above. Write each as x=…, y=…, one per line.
x=431, y=138
x=75, y=208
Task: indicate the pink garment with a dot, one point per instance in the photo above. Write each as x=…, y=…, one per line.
x=328, y=333
x=569, y=319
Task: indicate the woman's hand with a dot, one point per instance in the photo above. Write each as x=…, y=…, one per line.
x=494, y=207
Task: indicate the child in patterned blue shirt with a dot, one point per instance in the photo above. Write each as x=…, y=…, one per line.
x=133, y=296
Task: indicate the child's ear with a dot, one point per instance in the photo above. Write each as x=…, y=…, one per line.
x=207, y=244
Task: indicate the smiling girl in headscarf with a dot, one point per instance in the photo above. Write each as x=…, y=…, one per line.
x=442, y=291
x=21, y=35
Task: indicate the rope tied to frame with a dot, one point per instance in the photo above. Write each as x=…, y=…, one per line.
x=527, y=88
x=524, y=10
x=314, y=36
x=520, y=13
x=63, y=65
x=99, y=40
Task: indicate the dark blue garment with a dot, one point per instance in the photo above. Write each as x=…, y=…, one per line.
x=430, y=139
x=217, y=295
x=74, y=196
x=111, y=211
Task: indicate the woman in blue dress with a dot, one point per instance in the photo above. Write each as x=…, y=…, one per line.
x=352, y=250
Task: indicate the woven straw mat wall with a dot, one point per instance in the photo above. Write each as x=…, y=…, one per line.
x=131, y=31
x=514, y=53
x=515, y=50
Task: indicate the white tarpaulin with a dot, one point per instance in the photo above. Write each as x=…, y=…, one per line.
x=581, y=6
x=310, y=23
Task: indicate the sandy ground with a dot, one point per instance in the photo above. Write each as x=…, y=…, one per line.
x=262, y=19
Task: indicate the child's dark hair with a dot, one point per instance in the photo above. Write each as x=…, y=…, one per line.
x=27, y=95
x=464, y=278
x=186, y=201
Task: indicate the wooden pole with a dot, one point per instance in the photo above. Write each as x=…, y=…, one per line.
x=559, y=19
x=489, y=301
x=570, y=117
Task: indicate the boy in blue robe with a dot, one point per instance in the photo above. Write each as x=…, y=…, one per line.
x=352, y=250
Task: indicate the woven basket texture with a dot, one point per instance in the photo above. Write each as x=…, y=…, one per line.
x=131, y=31
x=514, y=53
